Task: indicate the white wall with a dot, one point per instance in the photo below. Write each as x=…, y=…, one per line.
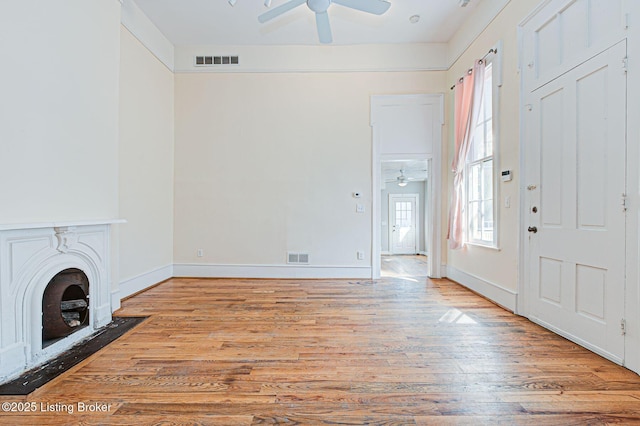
x=267, y=163
x=325, y=58
x=145, y=167
x=59, y=110
x=475, y=24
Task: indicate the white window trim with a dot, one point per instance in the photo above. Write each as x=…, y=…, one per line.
x=496, y=60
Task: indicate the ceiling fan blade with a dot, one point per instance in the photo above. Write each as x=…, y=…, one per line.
x=324, y=27
x=377, y=7
x=277, y=11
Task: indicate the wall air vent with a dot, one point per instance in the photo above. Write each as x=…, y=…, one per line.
x=212, y=61
x=298, y=258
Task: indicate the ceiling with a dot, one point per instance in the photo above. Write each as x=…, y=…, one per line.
x=216, y=22
x=414, y=170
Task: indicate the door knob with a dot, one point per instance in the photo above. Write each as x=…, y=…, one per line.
x=532, y=229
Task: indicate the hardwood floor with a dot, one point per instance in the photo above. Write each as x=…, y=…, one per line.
x=397, y=351
x=404, y=266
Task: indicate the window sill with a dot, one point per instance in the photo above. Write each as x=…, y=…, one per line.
x=486, y=246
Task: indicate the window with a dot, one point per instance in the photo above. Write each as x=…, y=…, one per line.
x=480, y=173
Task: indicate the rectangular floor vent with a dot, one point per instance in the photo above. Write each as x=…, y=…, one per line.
x=299, y=258
x=212, y=61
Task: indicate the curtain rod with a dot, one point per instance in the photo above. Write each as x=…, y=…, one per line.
x=492, y=50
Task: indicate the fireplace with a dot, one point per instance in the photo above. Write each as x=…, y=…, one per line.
x=65, y=305
x=55, y=290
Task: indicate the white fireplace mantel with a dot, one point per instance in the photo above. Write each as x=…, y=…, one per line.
x=58, y=224
x=31, y=254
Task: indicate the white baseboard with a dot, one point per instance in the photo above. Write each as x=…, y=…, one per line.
x=269, y=271
x=115, y=300
x=138, y=283
x=494, y=292
x=581, y=342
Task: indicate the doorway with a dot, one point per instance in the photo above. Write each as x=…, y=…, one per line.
x=576, y=223
x=408, y=128
x=577, y=172
x=404, y=203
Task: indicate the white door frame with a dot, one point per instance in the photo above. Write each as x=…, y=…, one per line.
x=416, y=233
x=433, y=198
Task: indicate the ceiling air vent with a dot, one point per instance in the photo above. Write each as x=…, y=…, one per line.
x=212, y=61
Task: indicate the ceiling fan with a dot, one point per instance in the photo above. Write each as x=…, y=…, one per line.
x=320, y=7
x=403, y=180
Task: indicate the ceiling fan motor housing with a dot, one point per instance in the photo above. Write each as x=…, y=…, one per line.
x=318, y=6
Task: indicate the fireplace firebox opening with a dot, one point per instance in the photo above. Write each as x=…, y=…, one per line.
x=65, y=305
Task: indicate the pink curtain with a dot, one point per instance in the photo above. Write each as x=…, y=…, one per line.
x=468, y=96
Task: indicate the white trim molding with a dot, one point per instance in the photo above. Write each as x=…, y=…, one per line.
x=579, y=341
x=139, y=283
x=473, y=27
x=59, y=224
x=443, y=270
x=502, y=296
x=198, y=270
x=138, y=24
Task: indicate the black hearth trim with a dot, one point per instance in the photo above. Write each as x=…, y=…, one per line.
x=39, y=376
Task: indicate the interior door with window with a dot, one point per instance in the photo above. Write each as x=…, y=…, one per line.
x=403, y=220
x=577, y=157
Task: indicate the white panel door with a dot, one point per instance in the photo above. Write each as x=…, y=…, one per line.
x=403, y=219
x=577, y=154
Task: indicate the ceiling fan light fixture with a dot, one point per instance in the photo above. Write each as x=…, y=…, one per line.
x=402, y=179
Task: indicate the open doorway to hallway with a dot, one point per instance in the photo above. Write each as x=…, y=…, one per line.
x=407, y=128
x=403, y=207
x=403, y=221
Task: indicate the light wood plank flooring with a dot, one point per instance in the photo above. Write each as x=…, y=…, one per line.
x=403, y=266
x=397, y=351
